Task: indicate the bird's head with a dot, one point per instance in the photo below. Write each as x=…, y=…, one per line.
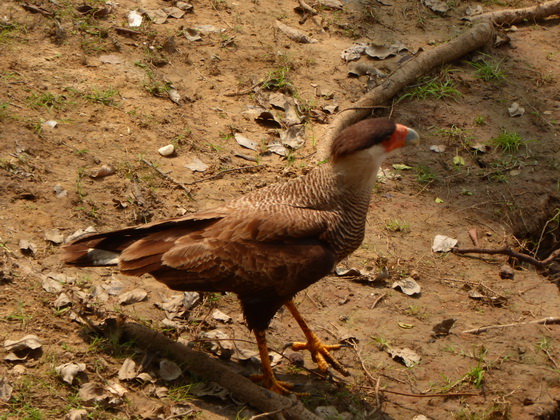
x=357, y=152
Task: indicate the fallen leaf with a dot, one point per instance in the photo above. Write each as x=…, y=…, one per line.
x=406, y=356
x=267, y=119
x=76, y=414
x=174, y=96
x=114, y=288
x=331, y=4
x=353, y=52
x=210, y=389
x=54, y=236
x=103, y=171
x=443, y=243
x=29, y=342
x=220, y=316
x=408, y=286
x=405, y=326
x=438, y=200
x=191, y=299
x=80, y=232
x=128, y=370
x=382, y=52
x=51, y=285
x=174, y=12
x=438, y=148
x=91, y=392
x=187, y=7
x=157, y=16
x=62, y=301
x=191, y=34
x=278, y=149
x=116, y=388
x=459, y=161
x=401, y=167
x=26, y=247
x=437, y=6
x=68, y=371
x=196, y=165
x=473, y=10
x=169, y=370
x=5, y=390
x=245, y=142
x=23, y=349
x=293, y=137
x=480, y=148
x=133, y=296
x=49, y=124
x=223, y=347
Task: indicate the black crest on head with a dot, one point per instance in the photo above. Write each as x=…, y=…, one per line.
x=362, y=135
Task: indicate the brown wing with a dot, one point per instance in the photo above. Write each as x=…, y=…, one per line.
x=265, y=259
x=104, y=248
x=242, y=252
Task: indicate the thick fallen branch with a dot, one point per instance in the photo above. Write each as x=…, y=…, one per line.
x=474, y=38
x=214, y=371
x=540, y=264
x=509, y=17
x=545, y=321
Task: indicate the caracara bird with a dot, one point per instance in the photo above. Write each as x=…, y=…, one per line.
x=267, y=245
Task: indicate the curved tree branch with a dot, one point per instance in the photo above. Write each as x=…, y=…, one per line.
x=206, y=367
x=509, y=17
x=474, y=38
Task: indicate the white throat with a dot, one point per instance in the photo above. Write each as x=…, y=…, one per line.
x=359, y=170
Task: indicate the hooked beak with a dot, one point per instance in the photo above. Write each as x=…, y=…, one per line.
x=403, y=136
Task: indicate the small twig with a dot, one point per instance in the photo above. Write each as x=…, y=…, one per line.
x=246, y=91
x=219, y=174
x=551, y=359
x=510, y=252
x=544, y=321
x=369, y=375
x=166, y=176
x=450, y=394
x=377, y=399
x=374, y=304
x=307, y=8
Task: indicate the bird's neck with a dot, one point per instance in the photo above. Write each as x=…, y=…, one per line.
x=357, y=173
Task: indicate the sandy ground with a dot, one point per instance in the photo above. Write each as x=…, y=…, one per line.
x=110, y=92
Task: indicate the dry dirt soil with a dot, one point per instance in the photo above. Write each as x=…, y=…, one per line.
x=109, y=88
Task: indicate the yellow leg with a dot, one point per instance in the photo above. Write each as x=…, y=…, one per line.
x=320, y=352
x=267, y=378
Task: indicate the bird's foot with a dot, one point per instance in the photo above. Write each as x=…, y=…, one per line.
x=321, y=354
x=273, y=384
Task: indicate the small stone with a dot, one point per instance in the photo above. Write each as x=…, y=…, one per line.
x=506, y=272
x=167, y=150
